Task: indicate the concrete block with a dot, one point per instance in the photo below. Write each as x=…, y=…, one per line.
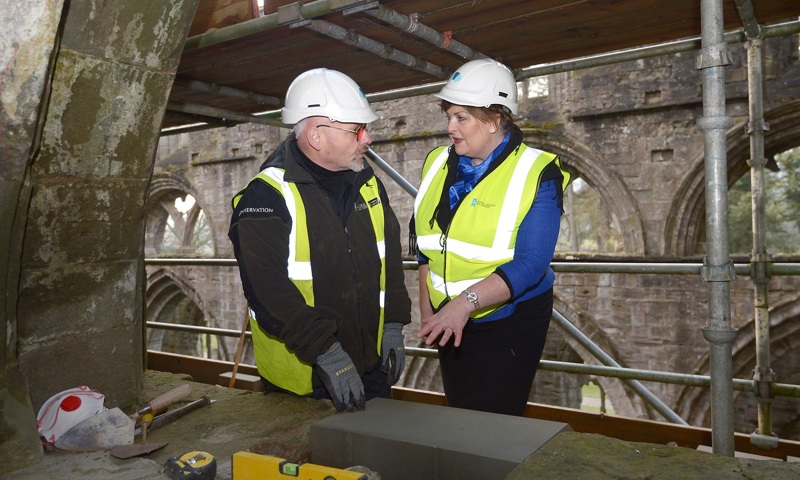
x=402, y=440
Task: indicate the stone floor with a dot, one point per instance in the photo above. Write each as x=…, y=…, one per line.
x=279, y=425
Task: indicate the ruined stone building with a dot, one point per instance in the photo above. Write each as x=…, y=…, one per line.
x=617, y=128
x=89, y=177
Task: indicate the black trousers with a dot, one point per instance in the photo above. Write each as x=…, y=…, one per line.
x=493, y=369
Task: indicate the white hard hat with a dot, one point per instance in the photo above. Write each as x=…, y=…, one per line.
x=480, y=83
x=321, y=92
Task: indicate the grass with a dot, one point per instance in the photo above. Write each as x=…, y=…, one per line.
x=591, y=399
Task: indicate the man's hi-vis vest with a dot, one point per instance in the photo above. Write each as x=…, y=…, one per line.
x=275, y=362
x=483, y=231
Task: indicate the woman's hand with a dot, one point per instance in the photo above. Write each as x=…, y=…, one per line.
x=448, y=323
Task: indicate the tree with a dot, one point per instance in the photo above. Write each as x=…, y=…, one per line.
x=783, y=208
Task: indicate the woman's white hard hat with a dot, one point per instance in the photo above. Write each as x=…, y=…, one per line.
x=321, y=92
x=480, y=83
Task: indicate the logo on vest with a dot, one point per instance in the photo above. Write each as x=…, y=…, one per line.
x=478, y=203
x=255, y=210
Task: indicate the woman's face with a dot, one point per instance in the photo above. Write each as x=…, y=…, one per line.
x=471, y=137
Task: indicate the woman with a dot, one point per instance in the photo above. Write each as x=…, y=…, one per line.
x=486, y=220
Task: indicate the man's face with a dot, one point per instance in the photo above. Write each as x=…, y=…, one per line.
x=343, y=145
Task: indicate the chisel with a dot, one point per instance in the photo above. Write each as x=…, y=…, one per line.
x=161, y=402
x=177, y=413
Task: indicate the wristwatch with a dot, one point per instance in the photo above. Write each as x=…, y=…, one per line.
x=473, y=298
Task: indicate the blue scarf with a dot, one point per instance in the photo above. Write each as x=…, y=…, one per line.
x=469, y=175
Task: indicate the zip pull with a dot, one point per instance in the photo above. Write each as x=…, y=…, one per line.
x=443, y=242
x=347, y=240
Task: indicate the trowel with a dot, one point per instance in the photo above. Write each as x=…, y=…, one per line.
x=99, y=432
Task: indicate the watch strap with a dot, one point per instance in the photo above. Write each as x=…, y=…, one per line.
x=473, y=298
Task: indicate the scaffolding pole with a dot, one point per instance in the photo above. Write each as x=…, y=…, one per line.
x=763, y=375
x=606, y=359
x=717, y=270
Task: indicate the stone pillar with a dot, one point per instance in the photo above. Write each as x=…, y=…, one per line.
x=74, y=189
x=26, y=46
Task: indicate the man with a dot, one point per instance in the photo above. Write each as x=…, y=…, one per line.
x=318, y=247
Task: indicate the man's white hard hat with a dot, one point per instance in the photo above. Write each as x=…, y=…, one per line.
x=480, y=83
x=322, y=92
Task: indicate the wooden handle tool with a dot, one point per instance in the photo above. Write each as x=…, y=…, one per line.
x=161, y=402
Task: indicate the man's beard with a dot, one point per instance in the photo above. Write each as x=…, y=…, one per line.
x=357, y=165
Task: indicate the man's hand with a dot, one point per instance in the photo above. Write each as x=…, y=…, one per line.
x=393, y=352
x=341, y=379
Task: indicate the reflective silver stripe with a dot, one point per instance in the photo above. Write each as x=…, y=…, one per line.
x=296, y=270
x=426, y=182
x=508, y=215
x=463, y=249
x=478, y=252
x=453, y=288
x=381, y=249
x=429, y=242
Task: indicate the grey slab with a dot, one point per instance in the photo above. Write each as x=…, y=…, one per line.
x=406, y=440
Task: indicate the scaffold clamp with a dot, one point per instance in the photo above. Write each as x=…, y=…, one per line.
x=717, y=273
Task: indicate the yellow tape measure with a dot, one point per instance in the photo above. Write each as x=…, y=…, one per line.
x=192, y=466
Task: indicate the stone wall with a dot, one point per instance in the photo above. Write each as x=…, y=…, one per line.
x=630, y=132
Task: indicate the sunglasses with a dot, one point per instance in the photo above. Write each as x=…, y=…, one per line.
x=359, y=131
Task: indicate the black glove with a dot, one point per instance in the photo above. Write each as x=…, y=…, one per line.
x=340, y=377
x=393, y=353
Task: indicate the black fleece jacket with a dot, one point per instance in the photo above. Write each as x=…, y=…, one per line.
x=344, y=260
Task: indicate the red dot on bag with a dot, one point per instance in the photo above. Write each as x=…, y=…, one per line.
x=70, y=404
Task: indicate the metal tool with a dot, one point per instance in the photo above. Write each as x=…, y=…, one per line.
x=171, y=415
x=112, y=428
x=99, y=432
x=192, y=466
x=161, y=402
x=148, y=422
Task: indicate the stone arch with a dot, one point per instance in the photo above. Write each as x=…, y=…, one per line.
x=167, y=186
x=624, y=400
x=695, y=403
x=686, y=220
x=615, y=194
x=170, y=299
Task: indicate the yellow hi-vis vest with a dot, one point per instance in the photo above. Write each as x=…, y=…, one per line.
x=274, y=361
x=483, y=231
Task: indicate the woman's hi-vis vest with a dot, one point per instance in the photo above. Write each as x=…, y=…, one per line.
x=483, y=231
x=275, y=362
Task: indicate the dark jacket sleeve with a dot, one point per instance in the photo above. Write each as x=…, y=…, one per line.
x=397, y=303
x=259, y=231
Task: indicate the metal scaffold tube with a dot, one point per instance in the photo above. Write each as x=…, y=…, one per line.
x=381, y=163
x=763, y=375
x=410, y=24
x=599, y=354
x=322, y=7
x=367, y=44
x=718, y=269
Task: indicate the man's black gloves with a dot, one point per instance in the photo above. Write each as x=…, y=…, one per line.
x=393, y=352
x=340, y=377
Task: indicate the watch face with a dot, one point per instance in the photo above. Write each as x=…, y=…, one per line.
x=472, y=296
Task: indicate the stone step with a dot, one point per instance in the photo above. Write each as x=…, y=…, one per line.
x=405, y=440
